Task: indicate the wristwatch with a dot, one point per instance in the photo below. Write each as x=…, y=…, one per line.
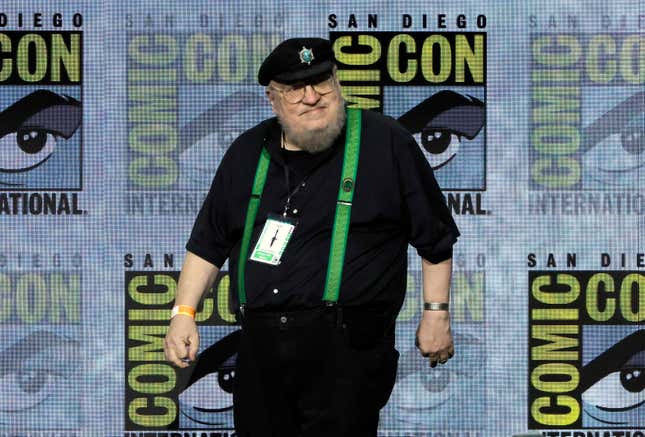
x=435, y=306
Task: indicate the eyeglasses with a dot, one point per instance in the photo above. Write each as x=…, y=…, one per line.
x=295, y=93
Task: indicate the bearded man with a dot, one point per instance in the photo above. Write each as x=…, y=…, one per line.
x=314, y=210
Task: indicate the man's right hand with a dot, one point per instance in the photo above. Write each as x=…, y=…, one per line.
x=182, y=341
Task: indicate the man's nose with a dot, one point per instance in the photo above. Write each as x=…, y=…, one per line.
x=311, y=96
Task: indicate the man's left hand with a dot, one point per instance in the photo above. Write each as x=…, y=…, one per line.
x=434, y=338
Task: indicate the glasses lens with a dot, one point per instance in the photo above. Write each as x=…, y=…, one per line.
x=294, y=94
x=325, y=86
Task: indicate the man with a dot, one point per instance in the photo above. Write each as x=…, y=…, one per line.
x=315, y=209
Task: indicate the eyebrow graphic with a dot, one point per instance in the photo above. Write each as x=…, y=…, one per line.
x=42, y=109
x=212, y=358
x=446, y=110
x=220, y=116
x=36, y=342
x=612, y=121
x=613, y=359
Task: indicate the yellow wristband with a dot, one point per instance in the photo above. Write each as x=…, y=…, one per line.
x=183, y=309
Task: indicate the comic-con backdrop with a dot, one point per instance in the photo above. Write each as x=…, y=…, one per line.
x=115, y=115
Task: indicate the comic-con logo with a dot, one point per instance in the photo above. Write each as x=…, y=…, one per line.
x=41, y=320
x=36, y=134
x=434, y=84
x=40, y=122
x=189, y=97
x=586, y=124
x=158, y=395
x=451, y=397
x=441, y=123
x=587, y=349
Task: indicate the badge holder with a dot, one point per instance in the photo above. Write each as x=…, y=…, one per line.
x=273, y=240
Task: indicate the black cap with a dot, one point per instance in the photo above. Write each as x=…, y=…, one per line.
x=297, y=59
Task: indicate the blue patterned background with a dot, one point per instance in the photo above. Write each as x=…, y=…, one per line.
x=165, y=88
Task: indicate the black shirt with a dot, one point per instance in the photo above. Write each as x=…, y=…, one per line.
x=396, y=201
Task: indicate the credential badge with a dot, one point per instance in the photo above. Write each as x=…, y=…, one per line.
x=306, y=55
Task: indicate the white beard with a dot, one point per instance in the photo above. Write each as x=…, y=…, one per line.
x=317, y=140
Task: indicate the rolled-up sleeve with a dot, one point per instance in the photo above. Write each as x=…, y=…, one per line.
x=431, y=228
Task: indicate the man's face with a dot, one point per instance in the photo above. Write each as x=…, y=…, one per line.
x=312, y=116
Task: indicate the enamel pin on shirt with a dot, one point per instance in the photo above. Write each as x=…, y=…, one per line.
x=273, y=239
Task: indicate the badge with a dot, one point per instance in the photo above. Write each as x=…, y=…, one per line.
x=306, y=55
x=273, y=239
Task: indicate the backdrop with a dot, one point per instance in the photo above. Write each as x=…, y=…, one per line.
x=114, y=117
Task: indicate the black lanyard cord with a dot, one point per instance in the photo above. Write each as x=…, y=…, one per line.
x=290, y=193
x=293, y=193
x=302, y=183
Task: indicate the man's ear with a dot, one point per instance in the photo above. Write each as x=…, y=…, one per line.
x=271, y=96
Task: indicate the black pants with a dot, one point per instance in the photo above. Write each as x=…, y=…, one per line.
x=318, y=372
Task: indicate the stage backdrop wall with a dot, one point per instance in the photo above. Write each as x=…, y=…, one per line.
x=115, y=116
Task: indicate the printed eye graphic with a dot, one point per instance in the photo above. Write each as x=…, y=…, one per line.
x=26, y=388
x=204, y=139
x=208, y=394
x=442, y=145
x=440, y=122
x=613, y=145
x=25, y=149
x=437, y=141
x=27, y=374
x=213, y=393
x=632, y=137
x=633, y=380
x=618, y=391
x=421, y=389
x=30, y=128
x=613, y=383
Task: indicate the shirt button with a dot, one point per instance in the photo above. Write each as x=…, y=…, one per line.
x=283, y=319
x=303, y=184
x=275, y=291
x=295, y=210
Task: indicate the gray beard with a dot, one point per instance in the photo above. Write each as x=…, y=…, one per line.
x=317, y=140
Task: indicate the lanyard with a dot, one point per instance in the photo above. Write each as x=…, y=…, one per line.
x=341, y=217
x=295, y=191
x=302, y=183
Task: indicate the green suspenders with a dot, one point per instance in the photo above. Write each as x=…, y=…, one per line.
x=341, y=218
x=251, y=213
x=343, y=206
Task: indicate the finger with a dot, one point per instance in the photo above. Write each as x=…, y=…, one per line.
x=182, y=350
x=193, y=345
x=179, y=350
x=174, y=359
x=167, y=350
x=433, y=363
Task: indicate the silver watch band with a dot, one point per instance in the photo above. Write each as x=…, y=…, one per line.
x=435, y=306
